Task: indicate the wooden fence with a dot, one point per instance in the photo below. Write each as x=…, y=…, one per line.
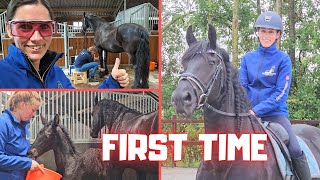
x=174, y=121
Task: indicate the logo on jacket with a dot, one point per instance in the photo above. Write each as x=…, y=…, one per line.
x=60, y=85
x=270, y=72
x=28, y=136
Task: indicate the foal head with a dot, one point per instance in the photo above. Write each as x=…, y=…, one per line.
x=203, y=73
x=49, y=137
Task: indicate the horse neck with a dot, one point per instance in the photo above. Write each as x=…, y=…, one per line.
x=64, y=152
x=95, y=24
x=228, y=101
x=117, y=115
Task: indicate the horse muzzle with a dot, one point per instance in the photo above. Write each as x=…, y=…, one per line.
x=93, y=134
x=184, y=99
x=33, y=153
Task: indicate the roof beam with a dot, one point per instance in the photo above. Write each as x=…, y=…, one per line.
x=83, y=9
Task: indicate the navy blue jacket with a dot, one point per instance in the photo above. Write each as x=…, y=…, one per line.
x=14, y=145
x=17, y=72
x=84, y=57
x=266, y=75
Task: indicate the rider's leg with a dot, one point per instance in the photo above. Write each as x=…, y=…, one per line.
x=298, y=158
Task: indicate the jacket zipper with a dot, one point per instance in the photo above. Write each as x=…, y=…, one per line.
x=39, y=77
x=53, y=62
x=259, y=72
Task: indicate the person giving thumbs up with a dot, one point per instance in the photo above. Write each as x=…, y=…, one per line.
x=120, y=75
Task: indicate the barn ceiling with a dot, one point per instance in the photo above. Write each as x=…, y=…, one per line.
x=72, y=10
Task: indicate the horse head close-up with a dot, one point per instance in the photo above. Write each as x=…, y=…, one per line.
x=209, y=81
x=203, y=73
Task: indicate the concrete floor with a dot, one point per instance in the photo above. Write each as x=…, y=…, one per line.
x=153, y=78
x=177, y=173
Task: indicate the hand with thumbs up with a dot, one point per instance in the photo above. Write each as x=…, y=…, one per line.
x=120, y=75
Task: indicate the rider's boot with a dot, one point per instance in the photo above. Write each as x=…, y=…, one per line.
x=301, y=167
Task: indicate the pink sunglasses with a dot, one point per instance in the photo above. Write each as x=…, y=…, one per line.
x=27, y=28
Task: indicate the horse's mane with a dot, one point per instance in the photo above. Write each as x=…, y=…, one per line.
x=96, y=17
x=97, y=21
x=113, y=106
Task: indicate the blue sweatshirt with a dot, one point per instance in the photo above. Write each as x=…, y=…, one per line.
x=17, y=72
x=14, y=145
x=84, y=57
x=266, y=75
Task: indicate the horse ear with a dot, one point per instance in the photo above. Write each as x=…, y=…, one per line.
x=96, y=100
x=190, y=37
x=56, y=120
x=212, y=35
x=43, y=120
x=84, y=14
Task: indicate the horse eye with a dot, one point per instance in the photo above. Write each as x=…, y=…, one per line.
x=211, y=62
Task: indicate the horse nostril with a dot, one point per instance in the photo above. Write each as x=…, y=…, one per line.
x=187, y=97
x=93, y=135
x=32, y=153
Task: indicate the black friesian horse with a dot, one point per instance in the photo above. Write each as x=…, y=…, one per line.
x=120, y=119
x=70, y=164
x=209, y=81
x=129, y=37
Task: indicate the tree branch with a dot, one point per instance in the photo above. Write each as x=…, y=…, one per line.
x=165, y=28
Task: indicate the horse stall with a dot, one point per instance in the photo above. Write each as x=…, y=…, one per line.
x=70, y=39
x=74, y=110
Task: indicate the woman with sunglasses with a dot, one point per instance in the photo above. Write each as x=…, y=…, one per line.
x=29, y=63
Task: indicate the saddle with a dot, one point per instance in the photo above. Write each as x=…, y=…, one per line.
x=279, y=139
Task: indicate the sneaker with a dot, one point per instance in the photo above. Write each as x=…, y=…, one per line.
x=92, y=80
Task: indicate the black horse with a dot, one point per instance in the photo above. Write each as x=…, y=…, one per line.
x=120, y=119
x=70, y=164
x=209, y=81
x=129, y=37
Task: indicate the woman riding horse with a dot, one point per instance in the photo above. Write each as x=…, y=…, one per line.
x=268, y=88
x=216, y=89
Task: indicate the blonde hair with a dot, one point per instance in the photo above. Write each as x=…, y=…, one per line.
x=28, y=97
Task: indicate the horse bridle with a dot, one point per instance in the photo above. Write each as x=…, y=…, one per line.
x=196, y=83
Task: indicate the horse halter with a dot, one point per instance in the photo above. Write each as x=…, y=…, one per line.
x=197, y=84
x=84, y=25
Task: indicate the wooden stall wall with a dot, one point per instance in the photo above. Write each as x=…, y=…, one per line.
x=77, y=43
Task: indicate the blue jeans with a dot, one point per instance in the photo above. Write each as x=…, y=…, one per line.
x=293, y=145
x=92, y=65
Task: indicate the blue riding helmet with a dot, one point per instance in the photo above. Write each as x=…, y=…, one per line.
x=269, y=19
